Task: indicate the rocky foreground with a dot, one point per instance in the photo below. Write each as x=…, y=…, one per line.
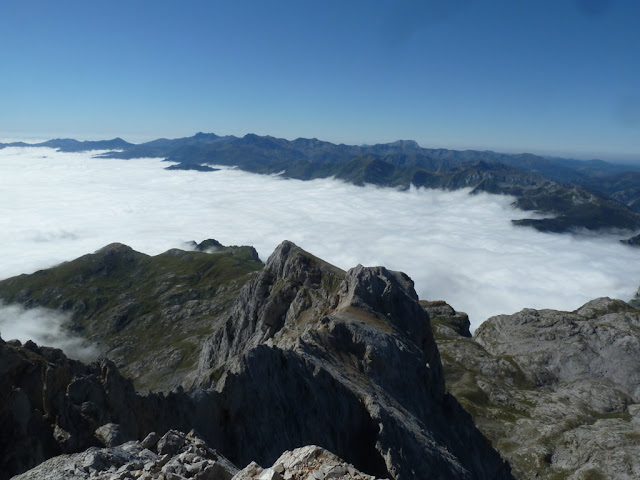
x=298, y=356
x=176, y=456
x=306, y=354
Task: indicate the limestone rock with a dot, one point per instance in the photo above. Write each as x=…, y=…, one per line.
x=551, y=346
x=192, y=460
x=445, y=321
x=109, y=435
x=557, y=393
x=304, y=463
x=50, y=404
x=318, y=351
x=170, y=443
x=150, y=440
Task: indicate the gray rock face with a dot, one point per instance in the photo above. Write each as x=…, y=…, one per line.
x=50, y=404
x=110, y=435
x=599, y=341
x=445, y=321
x=263, y=305
x=319, y=351
x=555, y=392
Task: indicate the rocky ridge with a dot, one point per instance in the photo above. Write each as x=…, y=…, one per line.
x=147, y=314
x=350, y=332
x=306, y=354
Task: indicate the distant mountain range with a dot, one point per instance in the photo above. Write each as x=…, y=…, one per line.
x=574, y=194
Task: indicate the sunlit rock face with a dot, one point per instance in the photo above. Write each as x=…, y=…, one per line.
x=556, y=392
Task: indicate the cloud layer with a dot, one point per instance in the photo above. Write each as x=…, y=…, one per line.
x=45, y=327
x=456, y=247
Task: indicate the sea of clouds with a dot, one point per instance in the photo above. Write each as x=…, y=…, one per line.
x=456, y=247
x=46, y=327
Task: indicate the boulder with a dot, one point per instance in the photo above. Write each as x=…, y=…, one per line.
x=306, y=463
x=109, y=435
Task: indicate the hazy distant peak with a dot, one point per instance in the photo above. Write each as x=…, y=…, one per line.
x=205, y=136
x=406, y=144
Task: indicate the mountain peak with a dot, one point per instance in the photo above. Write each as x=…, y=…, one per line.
x=205, y=136
x=298, y=352
x=406, y=144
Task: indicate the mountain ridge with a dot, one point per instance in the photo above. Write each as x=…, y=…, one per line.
x=117, y=293
x=304, y=354
x=592, y=195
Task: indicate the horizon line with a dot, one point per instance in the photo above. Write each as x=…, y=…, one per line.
x=626, y=157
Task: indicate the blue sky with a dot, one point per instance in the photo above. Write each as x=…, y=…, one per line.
x=543, y=76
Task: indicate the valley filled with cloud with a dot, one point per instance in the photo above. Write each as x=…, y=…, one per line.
x=457, y=247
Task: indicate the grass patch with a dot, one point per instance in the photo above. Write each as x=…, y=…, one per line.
x=121, y=298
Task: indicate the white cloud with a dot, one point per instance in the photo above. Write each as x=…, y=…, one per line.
x=456, y=247
x=45, y=327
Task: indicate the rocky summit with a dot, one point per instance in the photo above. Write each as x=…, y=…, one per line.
x=301, y=354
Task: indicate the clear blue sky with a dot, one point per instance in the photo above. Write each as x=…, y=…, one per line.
x=550, y=76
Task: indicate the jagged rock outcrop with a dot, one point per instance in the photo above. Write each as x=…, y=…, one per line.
x=175, y=456
x=633, y=241
x=445, y=321
x=306, y=355
x=599, y=342
x=557, y=393
x=50, y=404
x=342, y=360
